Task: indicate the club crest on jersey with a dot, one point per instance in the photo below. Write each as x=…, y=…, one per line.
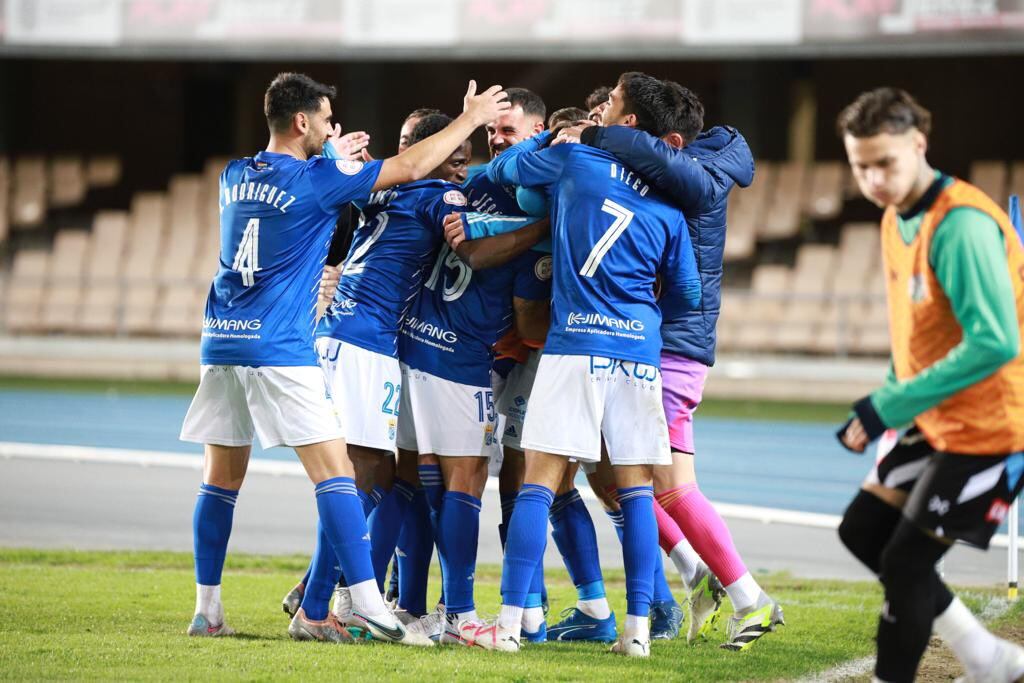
x=917, y=288
x=542, y=268
x=455, y=198
x=392, y=428
x=349, y=166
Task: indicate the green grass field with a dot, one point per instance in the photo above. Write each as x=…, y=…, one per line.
x=71, y=615
x=118, y=615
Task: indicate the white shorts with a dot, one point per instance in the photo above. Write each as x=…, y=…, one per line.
x=284, y=406
x=515, y=396
x=577, y=399
x=446, y=418
x=366, y=388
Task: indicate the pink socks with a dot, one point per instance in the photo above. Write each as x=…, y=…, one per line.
x=703, y=527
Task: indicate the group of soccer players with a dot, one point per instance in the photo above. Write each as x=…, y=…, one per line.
x=553, y=308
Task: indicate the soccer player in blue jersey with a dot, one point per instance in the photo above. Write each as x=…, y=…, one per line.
x=448, y=413
x=612, y=235
x=259, y=369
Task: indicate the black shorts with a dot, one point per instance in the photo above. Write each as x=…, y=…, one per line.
x=955, y=496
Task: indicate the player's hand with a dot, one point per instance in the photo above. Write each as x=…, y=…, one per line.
x=350, y=146
x=367, y=156
x=454, y=230
x=855, y=437
x=329, y=283
x=569, y=132
x=486, y=106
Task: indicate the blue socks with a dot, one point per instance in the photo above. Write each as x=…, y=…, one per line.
x=433, y=486
x=321, y=578
x=662, y=592
x=370, y=500
x=385, y=526
x=414, y=551
x=524, y=549
x=576, y=539
x=343, y=522
x=459, y=534
x=640, y=551
x=211, y=529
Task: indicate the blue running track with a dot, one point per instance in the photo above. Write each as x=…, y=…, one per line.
x=794, y=466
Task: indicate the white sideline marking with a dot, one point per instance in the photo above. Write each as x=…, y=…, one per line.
x=124, y=456
x=994, y=608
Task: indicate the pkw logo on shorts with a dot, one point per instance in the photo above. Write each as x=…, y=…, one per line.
x=997, y=512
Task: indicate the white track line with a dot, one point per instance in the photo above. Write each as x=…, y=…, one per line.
x=124, y=456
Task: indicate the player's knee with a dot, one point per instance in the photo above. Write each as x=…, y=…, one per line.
x=909, y=558
x=466, y=475
x=867, y=525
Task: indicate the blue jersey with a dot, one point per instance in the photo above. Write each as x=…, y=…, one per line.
x=277, y=216
x=612, y=234
x=396, y=240
x=460, y=313
x=486, y=196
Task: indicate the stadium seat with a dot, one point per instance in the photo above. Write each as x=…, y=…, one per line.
x=63, y=293
x=28, y=192
x=782, y=219
x=68, y=183
x=180, y=310
x=100, y=301
x=746, y=209
x=810, y=285
x=103, y=171
x=183, y=229
x=856, y=264
x=25, y=291
x=5, y=191
x=991, y=177
x=824, y=198
x=756, y=317
x=139, y=308
x=146, y=231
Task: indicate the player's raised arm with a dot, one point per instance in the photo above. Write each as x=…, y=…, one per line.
x=496, y=240
x=420, y=159
x=670, y=169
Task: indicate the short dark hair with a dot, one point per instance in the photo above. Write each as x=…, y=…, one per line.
x=530, y=101
x=291, y=93
x=599, y=96
x=427, y=126
x=883, y=110
x=566, y=115
x=661, y=107
x=421, y=112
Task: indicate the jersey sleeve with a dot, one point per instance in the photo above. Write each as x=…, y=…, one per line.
x=338, y=182
x=671, y=170
x=450, y=200
x=480, y=225
x=681, y=288
x=533, y=277
x=968, y=256
x=528, y=166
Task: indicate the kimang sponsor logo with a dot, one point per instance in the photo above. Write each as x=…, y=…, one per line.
x=232, y=325
x=605, y=321
x=431, y=330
